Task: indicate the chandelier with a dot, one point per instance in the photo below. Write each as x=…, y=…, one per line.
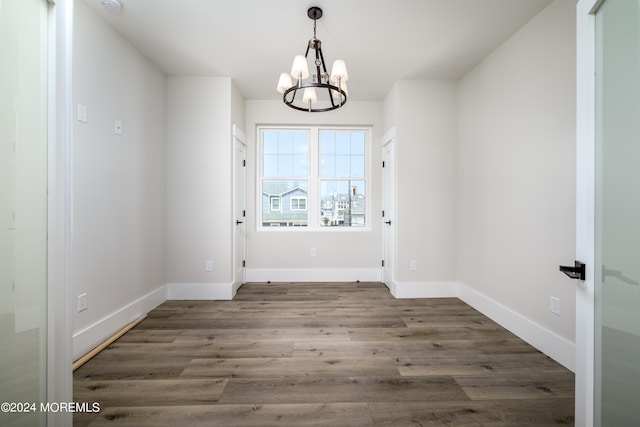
x=303, y=95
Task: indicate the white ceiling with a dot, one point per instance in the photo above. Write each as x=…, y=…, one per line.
x=382, y=41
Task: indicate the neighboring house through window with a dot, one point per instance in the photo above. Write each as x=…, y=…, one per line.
x=313, y=177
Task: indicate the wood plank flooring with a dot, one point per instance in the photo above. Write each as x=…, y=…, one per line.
x=316, y=354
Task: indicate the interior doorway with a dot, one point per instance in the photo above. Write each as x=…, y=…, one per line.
x=388, y=212
x=239, y=212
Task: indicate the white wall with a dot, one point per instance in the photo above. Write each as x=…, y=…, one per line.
x=341, y=255
x=199, y=182
x=426, y=134
x=516, y=173
x=118, y=256
x=237, y=108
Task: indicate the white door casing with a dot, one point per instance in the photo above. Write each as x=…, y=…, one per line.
x=585, y=211
x=239, y=213
x=388, y=209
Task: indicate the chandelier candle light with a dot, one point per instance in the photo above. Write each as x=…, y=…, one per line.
x=335, y=84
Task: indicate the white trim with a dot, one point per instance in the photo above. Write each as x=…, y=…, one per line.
x=558, y=348
x=585, y=210
x=93, y=335
x=59, y=323
x=389, y=135
x=391, y=286
x=238, y=140
x=239, y=134
x=389, y=224
x=234, y=288
x=202, y=291
x=425, y=289
x=313, y=274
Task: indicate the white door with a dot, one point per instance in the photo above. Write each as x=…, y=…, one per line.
x=388, y=212
x=239, y=213
x=608, y=303
x=24, y=257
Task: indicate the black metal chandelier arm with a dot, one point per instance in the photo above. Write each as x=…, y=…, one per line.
x=333, y=103
x=318, y=63
x=328, y=86
x=320, y=56
x=324, y=66
x=294, y=89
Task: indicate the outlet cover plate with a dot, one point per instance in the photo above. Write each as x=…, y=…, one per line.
x=554, y=305
x=82, y=302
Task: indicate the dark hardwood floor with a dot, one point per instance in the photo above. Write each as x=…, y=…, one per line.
x=313, y=354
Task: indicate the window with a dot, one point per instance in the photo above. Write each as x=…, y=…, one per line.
x=313, y=177
x=298, y=203
x=342, y=178
x=285, y=177
x=275, y=203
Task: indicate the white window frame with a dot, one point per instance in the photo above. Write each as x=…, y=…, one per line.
x=273, y=199
x=313, y=196
x=298, y=199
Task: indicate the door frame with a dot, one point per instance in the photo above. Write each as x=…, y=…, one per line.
x=585, y=210
x=60, y=110
x=389, y=140
x=238, y=138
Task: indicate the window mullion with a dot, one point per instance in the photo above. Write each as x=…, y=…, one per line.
x=313, y=200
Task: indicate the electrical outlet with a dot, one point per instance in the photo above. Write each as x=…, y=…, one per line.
x=82, y=113
x=208, y=265
x=117, y=127
x=82, y=302
x=554, y=305
x=314, y=252
x=413, y=265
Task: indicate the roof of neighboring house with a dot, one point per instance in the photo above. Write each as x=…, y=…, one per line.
x=280, y=188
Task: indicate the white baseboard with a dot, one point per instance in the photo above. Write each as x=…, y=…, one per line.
x=424, y=289
x=234, y=288
x=92, y=336
x=201, y=291
x=392, y=286
x=558, y=348
x=313, y=274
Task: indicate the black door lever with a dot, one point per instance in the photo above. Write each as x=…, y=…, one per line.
x=578, y=271
x=388, y=222
x=239, y=222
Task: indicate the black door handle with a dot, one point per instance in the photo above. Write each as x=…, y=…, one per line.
x=388, y=222
x=578, y=271
x=239, y=222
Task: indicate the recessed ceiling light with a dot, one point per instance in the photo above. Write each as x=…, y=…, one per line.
x=112, y=5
